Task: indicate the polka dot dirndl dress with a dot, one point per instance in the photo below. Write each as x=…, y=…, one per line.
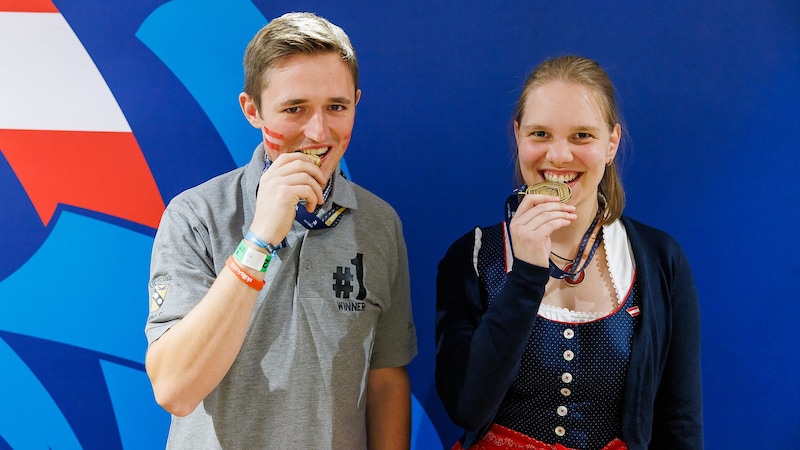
x=569, y=388
x=570, y=382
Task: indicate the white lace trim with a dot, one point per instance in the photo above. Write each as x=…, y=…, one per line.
x=619, y=259
x=558, y=314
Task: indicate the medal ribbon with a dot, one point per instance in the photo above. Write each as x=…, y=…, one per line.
x=591, y=239
x=311, y=220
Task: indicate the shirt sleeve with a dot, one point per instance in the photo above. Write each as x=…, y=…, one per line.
x=181, y=270
x=395, y=342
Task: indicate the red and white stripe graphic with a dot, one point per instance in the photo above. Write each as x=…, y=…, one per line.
x=61, y=129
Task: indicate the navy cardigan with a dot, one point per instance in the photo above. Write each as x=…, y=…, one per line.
x=478, y=348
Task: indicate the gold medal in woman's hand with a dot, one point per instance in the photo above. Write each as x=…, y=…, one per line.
x=554, y=188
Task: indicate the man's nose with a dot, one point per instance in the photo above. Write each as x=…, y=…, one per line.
x=317, y=126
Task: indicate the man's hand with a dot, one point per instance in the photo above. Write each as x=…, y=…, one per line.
x=292, y=177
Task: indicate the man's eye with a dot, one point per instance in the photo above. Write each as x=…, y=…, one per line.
x=583, y=135
x=293, y=109
x=539, y=134
x=337, y=107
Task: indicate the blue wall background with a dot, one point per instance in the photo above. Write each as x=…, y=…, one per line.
x=709, y=90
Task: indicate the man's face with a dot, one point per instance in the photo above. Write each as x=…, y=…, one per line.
x=308, y=106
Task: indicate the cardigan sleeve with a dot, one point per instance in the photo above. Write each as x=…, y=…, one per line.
x=479, y=347
x=663, y=405
x=677, y=413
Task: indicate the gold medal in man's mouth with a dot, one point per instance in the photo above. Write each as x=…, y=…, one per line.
x=315, y=159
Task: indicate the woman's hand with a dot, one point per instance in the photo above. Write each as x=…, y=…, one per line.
x=535, y=220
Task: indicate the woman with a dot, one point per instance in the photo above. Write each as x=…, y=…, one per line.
x=569, y=325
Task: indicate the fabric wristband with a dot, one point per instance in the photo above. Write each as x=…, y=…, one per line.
x=251, y=258
x=258, y=242
x=244, y=276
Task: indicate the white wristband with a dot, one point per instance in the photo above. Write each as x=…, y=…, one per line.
x=251, y=258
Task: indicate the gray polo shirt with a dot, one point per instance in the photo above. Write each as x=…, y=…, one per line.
x=336, y=304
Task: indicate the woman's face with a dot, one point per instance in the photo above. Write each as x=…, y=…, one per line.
x=563, y=136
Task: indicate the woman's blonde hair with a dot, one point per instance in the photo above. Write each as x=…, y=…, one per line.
x=588, y=73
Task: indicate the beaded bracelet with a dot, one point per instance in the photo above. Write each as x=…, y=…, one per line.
x=244, y=276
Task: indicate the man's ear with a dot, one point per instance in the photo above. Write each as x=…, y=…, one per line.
x=249, y=110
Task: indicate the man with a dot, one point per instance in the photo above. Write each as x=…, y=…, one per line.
x=280, y=313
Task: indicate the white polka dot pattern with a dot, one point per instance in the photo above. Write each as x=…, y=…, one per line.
x=569, y=386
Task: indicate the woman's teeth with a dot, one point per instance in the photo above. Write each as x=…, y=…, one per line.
x=560, y=178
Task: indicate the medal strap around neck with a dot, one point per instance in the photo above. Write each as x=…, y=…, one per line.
x=591, y=239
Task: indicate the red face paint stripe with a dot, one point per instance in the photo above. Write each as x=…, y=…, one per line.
x=272, y=145
x=272, y=134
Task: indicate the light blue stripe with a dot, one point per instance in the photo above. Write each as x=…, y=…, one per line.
x=141, y=422
x=202, y=42
x=423, y=433
x=86, y=286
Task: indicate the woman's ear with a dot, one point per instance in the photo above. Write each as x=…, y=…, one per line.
x=613, y=143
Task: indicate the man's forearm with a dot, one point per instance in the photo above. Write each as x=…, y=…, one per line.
x=189, y=360
x=389, y=409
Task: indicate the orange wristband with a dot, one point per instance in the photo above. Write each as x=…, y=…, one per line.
x=244, y=276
